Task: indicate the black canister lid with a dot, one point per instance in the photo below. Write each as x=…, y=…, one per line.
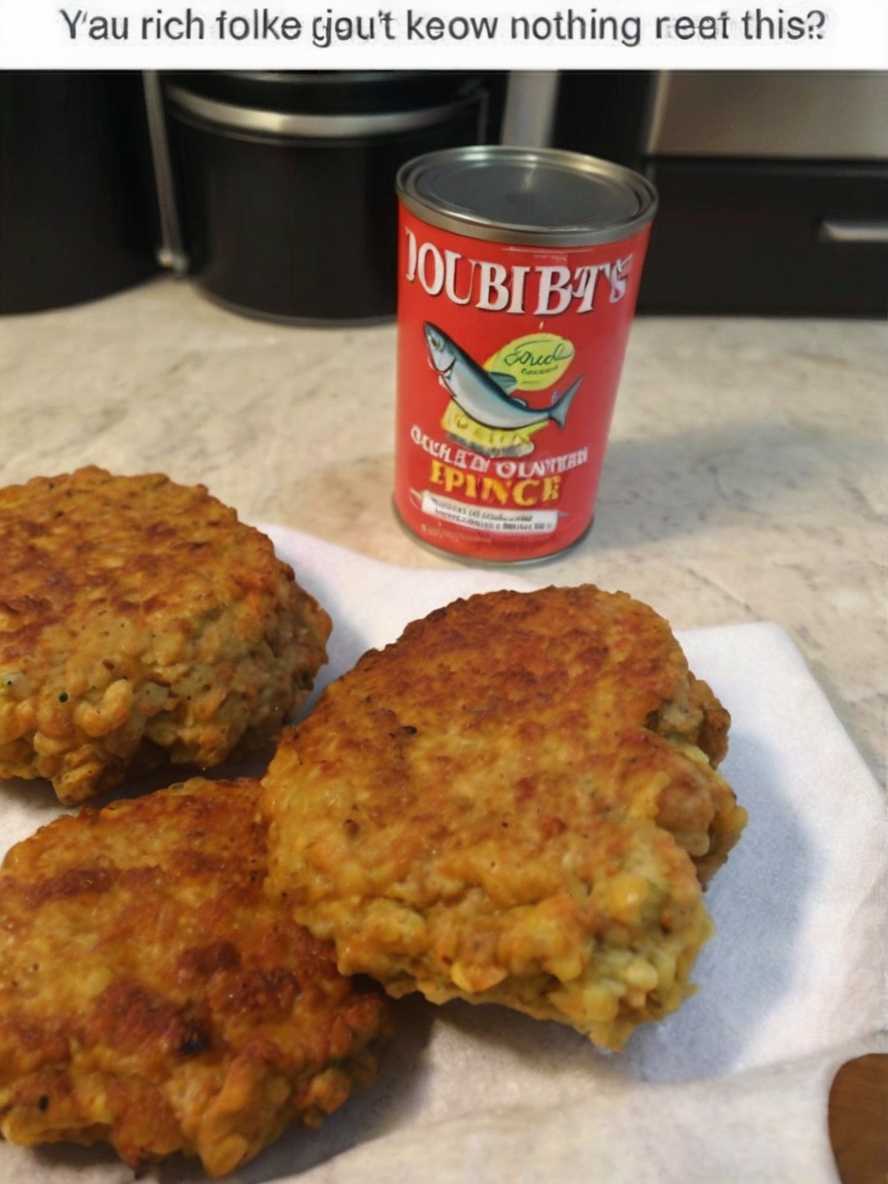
x=327, y=92
x=322, y=105
x=527, y=195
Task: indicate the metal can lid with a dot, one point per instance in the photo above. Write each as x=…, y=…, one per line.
x=543, y=196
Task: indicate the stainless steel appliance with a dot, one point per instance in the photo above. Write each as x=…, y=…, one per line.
x=773, y=186
x=778, y=116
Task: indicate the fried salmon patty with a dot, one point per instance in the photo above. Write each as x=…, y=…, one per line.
x=152, y=997
x=140, y=619
x=514, y=803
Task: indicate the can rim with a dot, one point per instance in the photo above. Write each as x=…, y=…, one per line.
x=479, y=226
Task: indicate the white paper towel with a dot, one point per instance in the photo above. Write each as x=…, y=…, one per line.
x=733, y=1087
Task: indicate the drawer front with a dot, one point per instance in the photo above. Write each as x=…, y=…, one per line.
x=764, y=238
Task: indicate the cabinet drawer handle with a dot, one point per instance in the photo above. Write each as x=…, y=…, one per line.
x=844, y=230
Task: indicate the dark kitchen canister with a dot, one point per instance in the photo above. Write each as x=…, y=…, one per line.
x=284, y=182
x=78, y=215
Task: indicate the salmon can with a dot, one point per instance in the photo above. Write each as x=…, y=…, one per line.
x=518, y=275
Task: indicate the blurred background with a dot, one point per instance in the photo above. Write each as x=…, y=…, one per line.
x=273, y=192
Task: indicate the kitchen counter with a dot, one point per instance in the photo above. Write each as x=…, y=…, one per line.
x=747, y=476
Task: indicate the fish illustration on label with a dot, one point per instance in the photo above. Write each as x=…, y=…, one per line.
x=486, y=397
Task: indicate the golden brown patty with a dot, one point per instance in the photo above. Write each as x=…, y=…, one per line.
x=514, y=803
x=152, y=997
x=139, y=618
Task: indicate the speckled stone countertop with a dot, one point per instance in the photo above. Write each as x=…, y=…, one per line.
x=747, y=476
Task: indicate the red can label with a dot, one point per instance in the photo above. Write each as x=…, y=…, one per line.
x=508, y=363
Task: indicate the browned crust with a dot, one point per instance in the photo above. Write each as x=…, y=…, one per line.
x=152, y=997
x=507, y=800
x=140, y=619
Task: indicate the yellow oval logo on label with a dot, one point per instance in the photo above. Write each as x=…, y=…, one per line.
x=534, y=361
